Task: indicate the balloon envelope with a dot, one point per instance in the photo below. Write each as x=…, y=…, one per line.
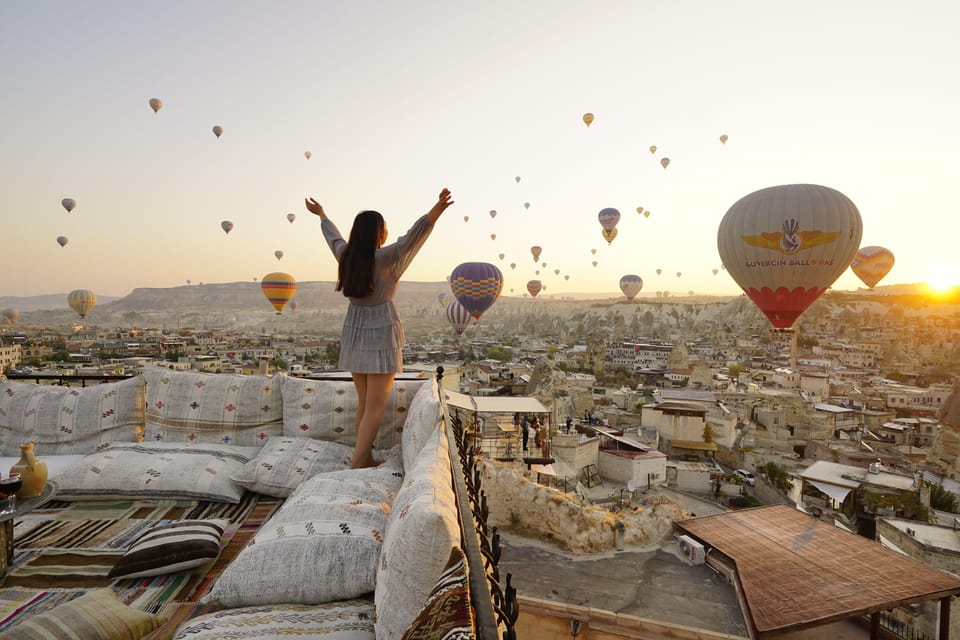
x=307, y=154
x=278, y=254
x=664, y=162
x=786, y=245
x=631, y=285
x=723, y=139
x=218, y=131
x=493, y=213
x=534, y=287
x=535, y=251
x=608, y=218
x=871, y=264
x=10, y=315
x=62, y=240
x=227, y=226
x=653, y=148
x=609, y=235
x=457, y=316
x=81, y=301
x=588, y=119
x=291, y=217
x=278, y=288
x=156, y=104
x=69, y=204
x=476, y=285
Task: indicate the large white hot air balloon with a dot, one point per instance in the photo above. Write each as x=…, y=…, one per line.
x=786, y=245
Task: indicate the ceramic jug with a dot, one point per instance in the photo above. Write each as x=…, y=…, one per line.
x=32, y=471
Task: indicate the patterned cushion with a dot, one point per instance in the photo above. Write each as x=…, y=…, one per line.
x=343, y=620
x=422, y=529
x=284, y=462
x=97, y=615
x=64, y=420
x=327, y=410
x=171, y=548
x=157, y=470
x=223, y=408
x=422, y=421
x=447, y=614
x=316, y=549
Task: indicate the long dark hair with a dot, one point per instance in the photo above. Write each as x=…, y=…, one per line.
x=355, y=273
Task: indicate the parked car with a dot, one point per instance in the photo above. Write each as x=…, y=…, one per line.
x=746, y=476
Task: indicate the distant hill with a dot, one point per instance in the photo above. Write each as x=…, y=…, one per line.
x=48, y=301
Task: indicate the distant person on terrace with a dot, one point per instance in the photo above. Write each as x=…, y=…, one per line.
x=371, y=344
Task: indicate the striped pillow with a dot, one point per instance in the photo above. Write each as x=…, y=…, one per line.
x=171, y=548
x=97, y=615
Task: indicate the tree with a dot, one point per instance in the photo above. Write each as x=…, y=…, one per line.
x=708, y=433
x=941, y=499
x=332, y=352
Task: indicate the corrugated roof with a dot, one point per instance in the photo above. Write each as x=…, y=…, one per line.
x=798, y=572
x=495, y=404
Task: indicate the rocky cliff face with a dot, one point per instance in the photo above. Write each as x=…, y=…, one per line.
x=945, y=452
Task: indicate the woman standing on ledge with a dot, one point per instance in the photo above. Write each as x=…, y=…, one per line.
x=371, y=344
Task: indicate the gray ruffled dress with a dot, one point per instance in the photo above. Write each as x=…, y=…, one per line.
x=372, y=338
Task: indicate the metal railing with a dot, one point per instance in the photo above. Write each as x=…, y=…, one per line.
x=901, y=629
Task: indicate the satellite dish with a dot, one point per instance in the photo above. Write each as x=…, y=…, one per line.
x=631, y=485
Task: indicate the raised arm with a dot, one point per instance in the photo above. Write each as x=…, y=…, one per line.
x=315, y=208
x=330, y=232
x=443, y=201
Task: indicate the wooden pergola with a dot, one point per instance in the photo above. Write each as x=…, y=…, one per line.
x=794, y=572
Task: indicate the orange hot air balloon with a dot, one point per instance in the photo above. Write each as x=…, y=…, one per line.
x=646, y=213
x=534, y=287
x=535, y=251
x=278, y=288
x=786, y=245
x=871, y=264
x=588, y=119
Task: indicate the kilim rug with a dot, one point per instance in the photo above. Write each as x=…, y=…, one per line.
x=67, y=548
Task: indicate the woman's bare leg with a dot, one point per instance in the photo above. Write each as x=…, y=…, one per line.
x=360, y=384
x=377, y=391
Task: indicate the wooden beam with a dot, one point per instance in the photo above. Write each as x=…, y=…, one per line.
x=945, y=618
x=875, y=625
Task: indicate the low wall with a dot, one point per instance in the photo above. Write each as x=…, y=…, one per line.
x=534, y=511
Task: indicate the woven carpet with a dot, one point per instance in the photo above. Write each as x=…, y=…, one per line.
x=67, y=548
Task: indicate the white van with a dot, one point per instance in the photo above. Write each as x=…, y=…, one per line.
x=746, y=477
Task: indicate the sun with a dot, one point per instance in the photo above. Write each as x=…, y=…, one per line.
x=942, y=279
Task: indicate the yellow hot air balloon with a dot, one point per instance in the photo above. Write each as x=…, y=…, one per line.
x=588, y=119
x=156, y=104
x=218, y=131
x=871, y=264
x=664, y=162
x=723, y=139
x=646, y=213
x=278, y=288
x=609, y=234
x=653, y=148
x=82, y=301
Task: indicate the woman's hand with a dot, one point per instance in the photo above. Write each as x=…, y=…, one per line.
x=444, y=200
x=315, y=208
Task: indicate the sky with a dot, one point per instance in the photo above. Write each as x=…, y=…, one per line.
x=399, y=99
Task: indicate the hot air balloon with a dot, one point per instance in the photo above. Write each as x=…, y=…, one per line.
x=10, y=315
x=871, y=264
x=69, y=204
x=293, y=304
x=715, y=271
x=537, y=272
x=690, y=293
x=526, y=205
x=535, y=250
x=501, y=255
x=278, y=288
x=476, y=285
x=664, y=162
x=466, y=218
x=291, y=217
x=608, y=218
x=227, y=226
x=659, y=271
x=457, y=316
x=493, y=213
x=278, y=254
x=543, y=264
x=679, y=274
x=786, y=245
x=513, y=265
x=443, y=298
x=593, y=252
x=556, y=272
x=640, y=210
x=82, y=301
x=217, y=130
x=493, y=236
x=307, y=154
x=534, y=287
x=62, y=240
x=631, y=285
x=156, y=104
x=595, y=263
x=517, y=179
x=588, y=119
x=723, y=139
x=566, y=277
x=609, y=235
x=653, y=148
